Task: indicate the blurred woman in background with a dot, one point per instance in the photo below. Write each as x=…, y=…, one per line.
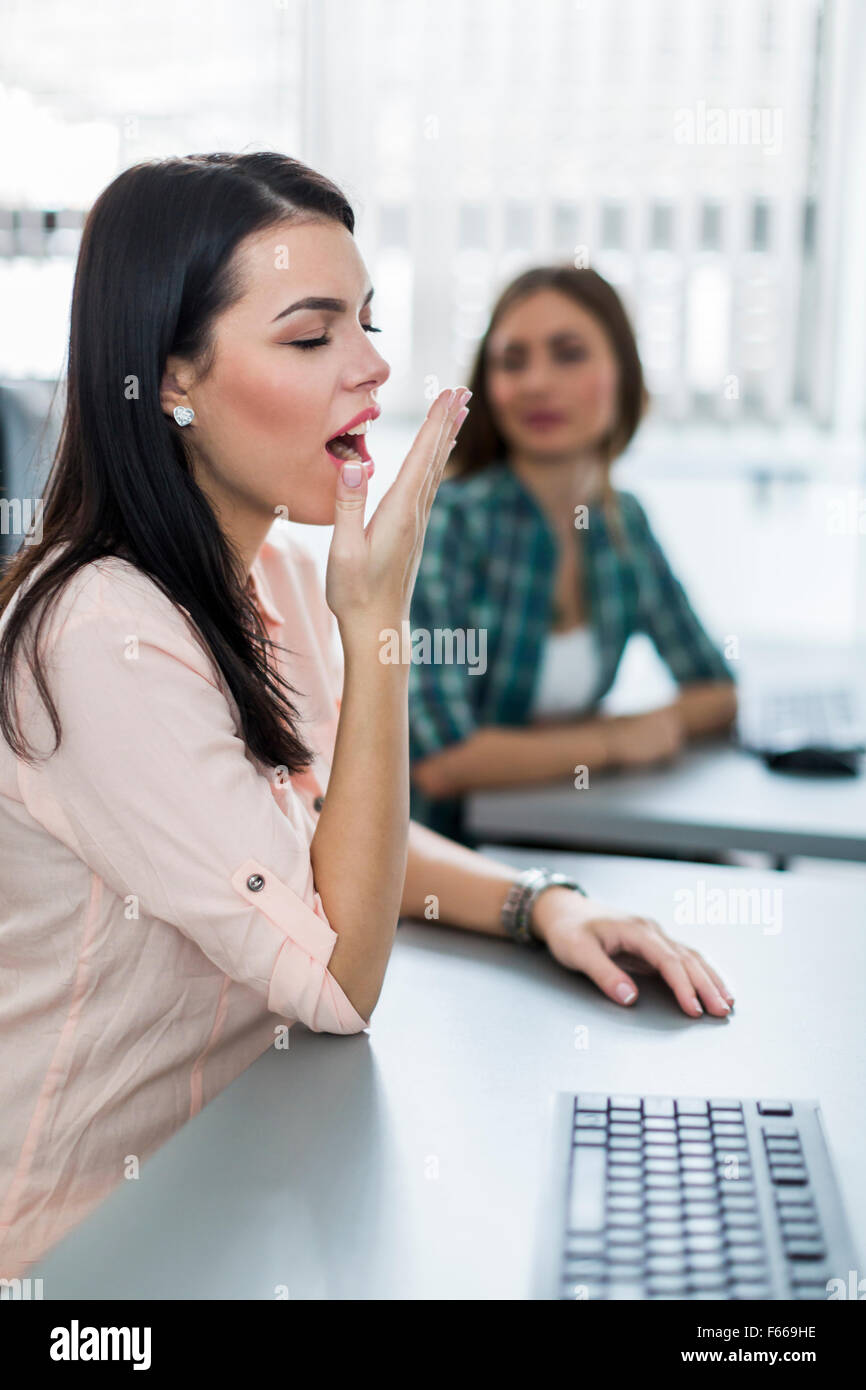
x=530, y=547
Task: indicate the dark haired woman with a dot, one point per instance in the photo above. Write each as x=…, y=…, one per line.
x=529, y=545
x=191, y=860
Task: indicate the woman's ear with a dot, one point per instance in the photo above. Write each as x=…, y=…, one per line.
x=174, y=385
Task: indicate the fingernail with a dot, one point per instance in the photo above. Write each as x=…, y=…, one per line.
x=696, y=1005
x=450, y=400
x=351, y=474
x=625, y=993
x=723, y=1004
x=461, y=415
x=466, y=396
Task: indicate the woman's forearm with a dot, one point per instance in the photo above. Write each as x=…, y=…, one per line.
x=359, y=849
x=504, y=757
x=501, y=757
x=707, y=707
x=449, y=883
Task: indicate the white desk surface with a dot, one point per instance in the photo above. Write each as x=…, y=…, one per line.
x=714, y=797
x=406, y=1163
x=711, y=799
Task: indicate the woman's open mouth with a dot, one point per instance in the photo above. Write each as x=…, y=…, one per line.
x=350, y=447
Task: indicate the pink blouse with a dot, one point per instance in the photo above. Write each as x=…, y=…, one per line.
x=159, y=925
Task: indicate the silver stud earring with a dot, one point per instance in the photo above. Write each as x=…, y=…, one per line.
x=183, y=414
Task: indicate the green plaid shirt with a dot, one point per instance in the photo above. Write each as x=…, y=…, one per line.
x=489, y=563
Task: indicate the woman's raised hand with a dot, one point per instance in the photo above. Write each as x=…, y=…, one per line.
x=371, y=569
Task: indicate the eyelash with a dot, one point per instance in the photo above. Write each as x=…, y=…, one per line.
x=306, y=343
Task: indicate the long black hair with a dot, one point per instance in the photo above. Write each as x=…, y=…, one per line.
x=155, y=268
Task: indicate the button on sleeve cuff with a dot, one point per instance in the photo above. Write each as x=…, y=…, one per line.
x=296, y=989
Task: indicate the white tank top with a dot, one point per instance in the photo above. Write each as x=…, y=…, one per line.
x=569, y=672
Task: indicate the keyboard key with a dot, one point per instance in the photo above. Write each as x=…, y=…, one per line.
x=698, y=1179
x=805, y=1249
x=689, y=1105
x=667, y=1286
x=777, y=1131
x=791, y=1177
x=661, y=1165
x=704, y=1245
x=625, y=1291
x=662, y=1210
x=590, y=1119
x=584, y=1269
x=780, y=1145
x=802, y=1232
x=737, y=1201
x=617, y=1205
x=724, y=1104
x=798, y=1218
x=586, y=1199
x=625, y=1103
x=585, y=1247
x=794, y=1199
x=586, y=1138
x=658, y=1105
x=688, y=1123
x=592, y=1102
x=698, y=1148
x=755, y=1289
x=694, y=1163
x=804, y=1275
x=630, y=1219
x=625, y=1187
x=618, y=1236
x=663, y=1229
x=659, y=1122
x=746, y=1256
x=724, y=1132
x=625, y=1262
x=705, y=1282
x=665, y=1245
x=738, y=1237
x=618, y=1127
x=741, y=1220
x=624, y=1141
x=701, y=1210
x=662, y=1181
x=775, y=1107
x=624, y=1165
x=702, y=1227
x=707, y=1261
x=664, y=1264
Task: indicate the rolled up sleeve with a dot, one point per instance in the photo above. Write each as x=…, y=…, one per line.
x=153, y=787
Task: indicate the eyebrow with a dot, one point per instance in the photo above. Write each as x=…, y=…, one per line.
x=337, y=306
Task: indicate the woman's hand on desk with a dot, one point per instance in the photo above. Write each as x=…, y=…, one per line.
x=583, y=935
x=636, y=740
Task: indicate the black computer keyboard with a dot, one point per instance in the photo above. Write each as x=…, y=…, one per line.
x=690, y=1198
